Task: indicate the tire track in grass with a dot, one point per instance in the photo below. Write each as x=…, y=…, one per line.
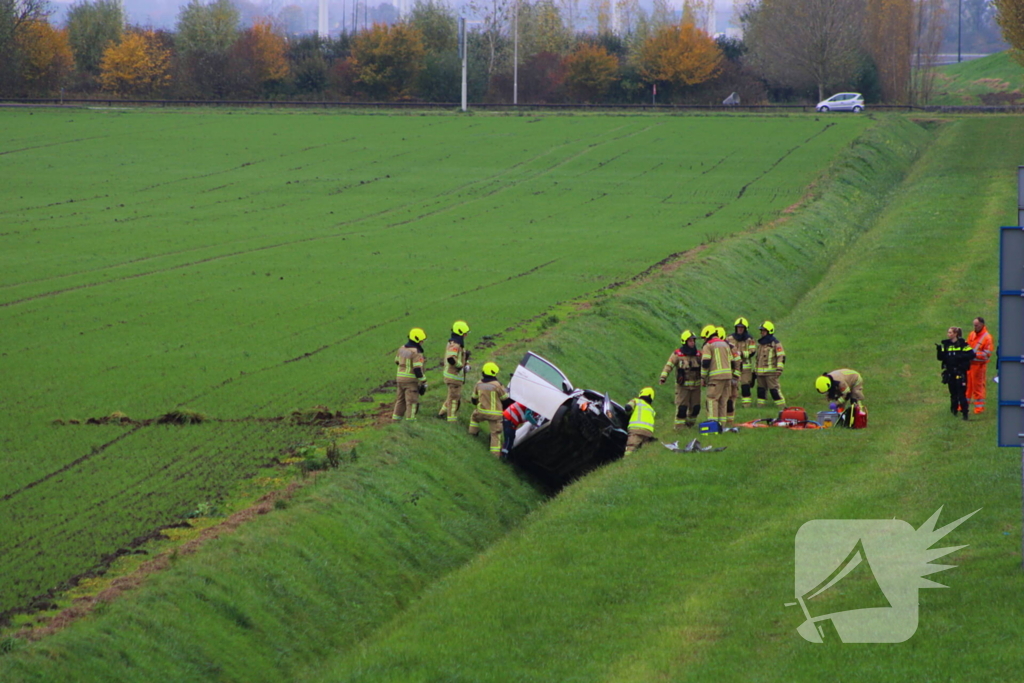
x=781, y=159
x=316, y=238
x=253, y=373
x=96, y=450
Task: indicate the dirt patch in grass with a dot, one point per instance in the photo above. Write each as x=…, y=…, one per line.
x=993, y=83
x=996, y=99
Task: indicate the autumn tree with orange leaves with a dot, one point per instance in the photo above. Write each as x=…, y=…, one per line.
x=262, y=53
x=46, y=58
x=387, y=59
x=678, y=56
x=138, y=65
x=590, y=71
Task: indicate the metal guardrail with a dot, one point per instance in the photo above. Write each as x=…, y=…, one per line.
x=115, y=102
x=305, y=104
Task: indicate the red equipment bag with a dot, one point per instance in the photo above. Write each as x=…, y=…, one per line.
x=860, y=417
x=793, y=415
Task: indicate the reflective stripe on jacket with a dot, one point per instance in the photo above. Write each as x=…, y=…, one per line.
x=770, y=358
x=642, y=418
x=746, y=348
x=717, y=358
x=687, y=368
x=981, y=342
x=456, y=352
x=408, y=360
x=846, y=380
x=489, y=396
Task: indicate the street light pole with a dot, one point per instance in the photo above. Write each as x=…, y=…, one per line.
x=959, y=23
x=515, y=57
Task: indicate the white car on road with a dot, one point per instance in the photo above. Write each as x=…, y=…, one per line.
x=844, y=101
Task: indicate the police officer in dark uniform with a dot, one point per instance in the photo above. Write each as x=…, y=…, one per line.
x=955, y=355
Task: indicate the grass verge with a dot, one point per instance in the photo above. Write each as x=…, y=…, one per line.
x=677, y=567
x=273, y=601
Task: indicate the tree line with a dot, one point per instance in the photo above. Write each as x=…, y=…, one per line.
x=792, y=49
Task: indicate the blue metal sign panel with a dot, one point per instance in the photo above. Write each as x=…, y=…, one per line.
x=1010, y=352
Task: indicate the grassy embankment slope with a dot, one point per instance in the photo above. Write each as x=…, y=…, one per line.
x=244, y=264
x=677, y=567
x=993, y=80
x=232, y=629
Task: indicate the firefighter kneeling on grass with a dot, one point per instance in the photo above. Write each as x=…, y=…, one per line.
x=490, y=399
x=641, y=420
x=686, y=361
x=411, y=382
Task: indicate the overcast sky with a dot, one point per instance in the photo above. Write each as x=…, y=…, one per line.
x=164, y=13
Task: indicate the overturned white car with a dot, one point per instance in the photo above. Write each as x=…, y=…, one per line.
x=577, y=430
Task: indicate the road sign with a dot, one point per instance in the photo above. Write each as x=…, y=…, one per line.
x=1010, y=353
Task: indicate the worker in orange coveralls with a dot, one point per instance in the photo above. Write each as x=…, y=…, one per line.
x=981, y=341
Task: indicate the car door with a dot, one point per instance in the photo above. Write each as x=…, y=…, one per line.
x=539, y=385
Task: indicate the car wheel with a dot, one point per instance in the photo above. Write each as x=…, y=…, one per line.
x=857, y=109
x=823, y=110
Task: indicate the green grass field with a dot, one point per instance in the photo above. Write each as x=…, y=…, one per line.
x=245, y=264
x=993, y=80
x=418, y=560
x=677, y=567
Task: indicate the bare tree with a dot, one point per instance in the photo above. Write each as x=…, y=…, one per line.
x=805, y=43
x=929, y=23
x=889, y=39
x=495, y=16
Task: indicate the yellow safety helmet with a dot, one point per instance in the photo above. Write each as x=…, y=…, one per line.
x=823, y=384
x=721, y=332
x=741, y=321
x=685, y=336
x=647, y=392
x=768, y=326
x=417, y=335
x=708, y=331
x=491, y=369
x=461, y=328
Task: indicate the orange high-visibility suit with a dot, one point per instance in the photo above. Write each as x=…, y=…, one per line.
x=982, y=344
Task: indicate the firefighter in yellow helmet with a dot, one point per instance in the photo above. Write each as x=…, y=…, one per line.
x=641, y=420
x=686, y=362
x=734, y=386
x=490, y=399
x=412, y=383
x=719, y=367
x=456, y=365
x=842, y=386
x=746, y=347
x=769, y=361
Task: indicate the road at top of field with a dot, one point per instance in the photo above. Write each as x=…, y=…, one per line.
x=247, y=263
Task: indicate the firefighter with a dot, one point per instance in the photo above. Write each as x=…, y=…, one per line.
x=456, y=359
x=955, y=355
x=981, y=341
x=734, y=385
x=411, y=381
x=641, y=420
x=490, y=399
x=842, y=386
x=746, y=346
x=769, y=361
x=686, y=361
x=719, y=367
